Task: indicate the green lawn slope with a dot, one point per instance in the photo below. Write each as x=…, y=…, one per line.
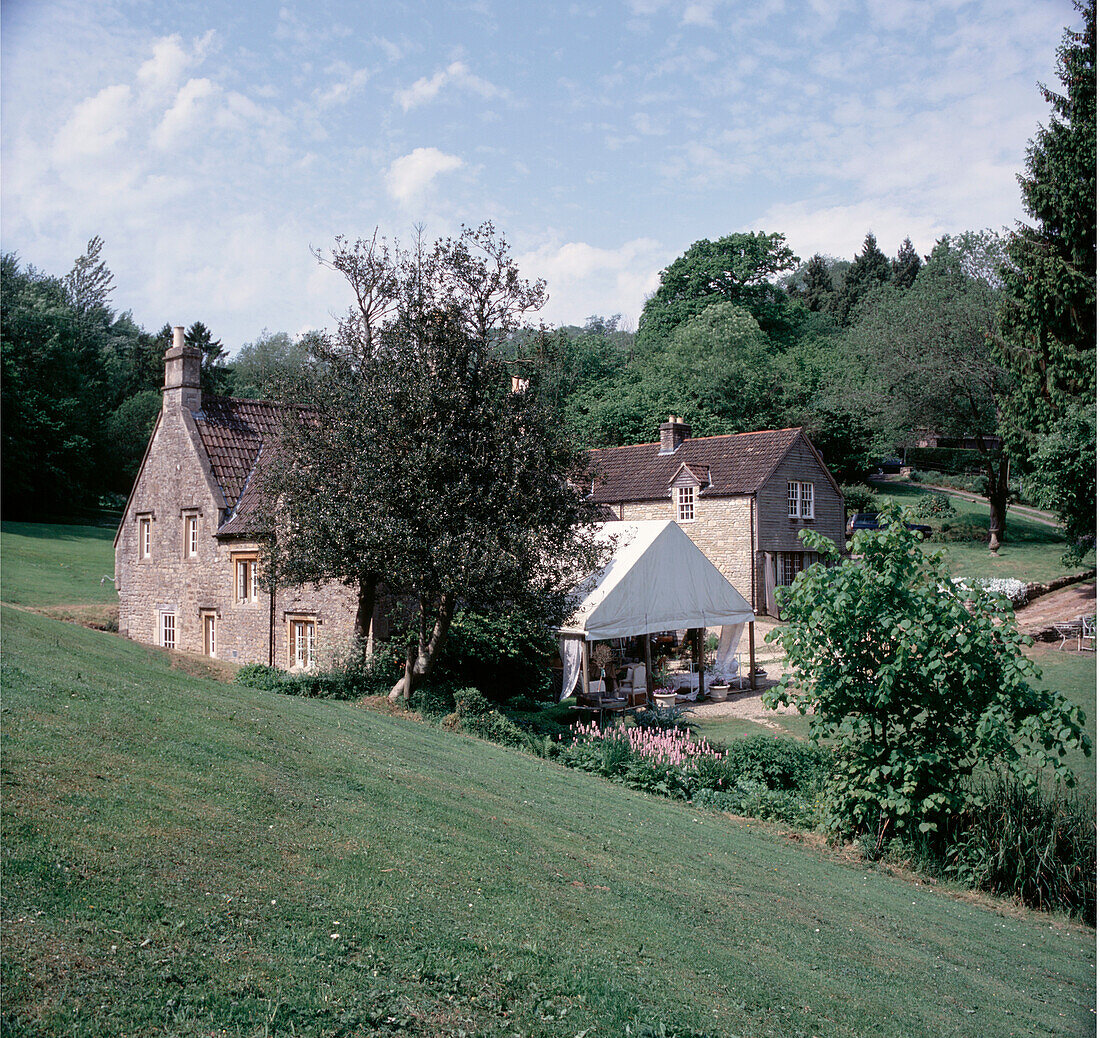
x=191, y=858
x=43, y=564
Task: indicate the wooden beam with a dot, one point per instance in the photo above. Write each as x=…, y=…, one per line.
x=752, y=655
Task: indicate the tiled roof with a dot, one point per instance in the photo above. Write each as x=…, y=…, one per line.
x=739, y=464
x=233, y=431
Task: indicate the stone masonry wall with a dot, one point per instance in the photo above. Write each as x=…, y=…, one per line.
x=171, y=484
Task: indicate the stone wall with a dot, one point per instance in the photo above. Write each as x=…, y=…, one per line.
x=174, y=483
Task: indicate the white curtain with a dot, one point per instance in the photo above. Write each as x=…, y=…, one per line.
x=572, y=656
x=726, y=666
x=769, y=583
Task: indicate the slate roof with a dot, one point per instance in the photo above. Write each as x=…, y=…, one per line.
x=233, y=433
x=739, y=464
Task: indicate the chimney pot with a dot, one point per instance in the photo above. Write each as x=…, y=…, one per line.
x=182, y=374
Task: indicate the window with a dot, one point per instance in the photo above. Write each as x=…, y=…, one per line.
x=209, y=635
x=790, y=565
x=685, y=504
x=168, y=630
x=191, y=535
x=302, y=642
x=145, y=537
x=800, y=500
x=246, y=578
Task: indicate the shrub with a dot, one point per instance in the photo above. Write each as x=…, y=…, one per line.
x=858, y=497
x=494, y=727
x=916, y=688
x=259, y=675
x=778, y=763
x=503, y=654
x=756, y=800
x=469, y=702
x=432, y=700
x=933, y=506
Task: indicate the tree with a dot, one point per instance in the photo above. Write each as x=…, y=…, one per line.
x=927, y=358
x=214, y=374
x=741, y=269
x=870, y=270
x=417, y=469
x=273, y=358
x=915, y=683
x=906, y=266
x=90, y=282
x=1049, y=312
x=815, y=285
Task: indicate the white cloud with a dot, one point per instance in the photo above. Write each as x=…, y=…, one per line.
x=584, y=279
x=409, y=175
x=455, y=74
x=349, y=82
x=187, y=113
x=160, y=75
x=97, y=124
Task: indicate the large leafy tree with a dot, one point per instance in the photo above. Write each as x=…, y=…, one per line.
x=1049, y=310
x=926, y=358
x=272, y=358
x=740, y=268
x=915, y=683
x=419, y=468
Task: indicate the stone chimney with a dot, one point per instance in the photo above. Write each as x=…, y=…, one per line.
x=673, y=433
x=182, y=375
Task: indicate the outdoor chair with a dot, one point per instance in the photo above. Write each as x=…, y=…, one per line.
x=1067, y=630
x=1088, y=631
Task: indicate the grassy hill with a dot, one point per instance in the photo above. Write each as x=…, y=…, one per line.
x=187, y=857
x=48, y=565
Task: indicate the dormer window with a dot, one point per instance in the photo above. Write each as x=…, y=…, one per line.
x=685, y=504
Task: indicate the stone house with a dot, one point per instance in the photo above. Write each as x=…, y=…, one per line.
x=742, y=499
x=187, y=551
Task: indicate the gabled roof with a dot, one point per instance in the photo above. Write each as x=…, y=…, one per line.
x=739, y=464
x=234, y=433
x=700, y=473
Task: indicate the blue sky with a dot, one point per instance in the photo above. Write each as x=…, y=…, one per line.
x=211, y=145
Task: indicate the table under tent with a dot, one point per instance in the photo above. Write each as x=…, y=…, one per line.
x=657, y=580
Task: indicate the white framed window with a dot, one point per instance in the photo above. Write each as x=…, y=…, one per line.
x=807, y=500
x=145, y=537
x=168, y=630
x=191, y=535
x=792, y=500
x=685, y=504
x=209, y=635
x=303, y=643
x=800, y=500
x=246, y=578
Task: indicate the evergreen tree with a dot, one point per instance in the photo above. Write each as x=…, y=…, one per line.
x=907, y=265
x=1049, y=316
x=870, y=270
x=214, y=373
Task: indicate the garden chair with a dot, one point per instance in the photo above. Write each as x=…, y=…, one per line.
x=1088, y=631
x=1068, y=629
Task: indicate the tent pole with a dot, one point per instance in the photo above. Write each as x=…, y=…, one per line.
x=752, y=655
x=648, y=671
x=584, y=666
x=698, y=652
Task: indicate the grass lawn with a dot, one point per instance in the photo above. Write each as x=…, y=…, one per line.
x=46, y=565
x=1031, y=552
x=1074, y=675
x=187, y=857
x=728, y=729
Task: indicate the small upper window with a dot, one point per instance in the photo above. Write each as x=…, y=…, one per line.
x=145, y=537
x=191, y=535
x=800, y=500
x=685, y=504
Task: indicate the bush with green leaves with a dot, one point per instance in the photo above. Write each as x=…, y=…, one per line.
x=859, y=497
x=914, y=686
x=933, y=506
x=779, y=763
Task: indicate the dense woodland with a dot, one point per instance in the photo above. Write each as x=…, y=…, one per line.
x=988, y=333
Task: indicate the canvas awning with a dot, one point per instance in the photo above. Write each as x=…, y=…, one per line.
x=656, y=580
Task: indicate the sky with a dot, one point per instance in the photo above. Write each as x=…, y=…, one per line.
x=215, y=146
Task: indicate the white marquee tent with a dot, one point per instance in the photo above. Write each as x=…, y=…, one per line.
x=656, y=580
